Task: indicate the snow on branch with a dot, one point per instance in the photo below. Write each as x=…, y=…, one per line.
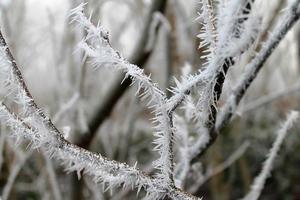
x=34, y=126
x=237, y=26
x=208, y=30
x=210, y=132
x=226, y=35
x=97, y=47
x=236, y=29
x=268, y=165
x=230, y=42
x=73, y=157
x=291, y=16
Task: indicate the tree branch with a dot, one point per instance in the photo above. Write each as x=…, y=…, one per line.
x=39, y=129
x=139, y=58
x=291, y=17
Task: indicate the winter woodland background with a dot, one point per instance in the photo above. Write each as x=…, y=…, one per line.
x=76, y=97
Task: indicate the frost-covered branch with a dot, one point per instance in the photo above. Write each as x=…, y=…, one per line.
x=292, y=14
x=98, y=49
x=236, y=29
x=139, y=57
x=227, y=32
x=268, y=165
x=73, y=157
x=232, y=39
x=291, y=17
x=208, y=31
x=33, y=125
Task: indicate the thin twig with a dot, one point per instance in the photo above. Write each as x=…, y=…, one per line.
x=268, y=165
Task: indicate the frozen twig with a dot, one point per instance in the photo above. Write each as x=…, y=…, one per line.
x=268, y=165
x=98, y=49
x=138, y=57
x=291, y=17
x=292, y=14
x=226, y=35
x=208, y=33
x=36, y=127
x=73, y=157
x=236, y=31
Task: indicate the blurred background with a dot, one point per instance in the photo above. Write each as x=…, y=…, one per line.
x=96, y=112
